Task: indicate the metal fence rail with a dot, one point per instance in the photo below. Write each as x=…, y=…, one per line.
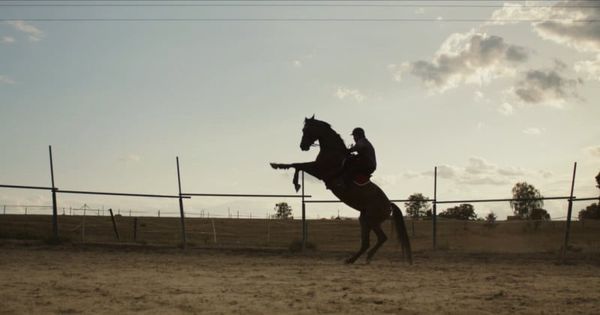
x=181, y=196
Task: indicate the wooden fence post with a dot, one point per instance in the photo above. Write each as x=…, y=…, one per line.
x=114, y=222
x=569, y=211
x=54, y=207
x=135, y=229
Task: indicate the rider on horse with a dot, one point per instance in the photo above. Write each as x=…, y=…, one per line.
x=364, y=163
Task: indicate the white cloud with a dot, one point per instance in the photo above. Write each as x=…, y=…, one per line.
x=398, y=70
x=589, y=68
x=479, y=171
x=556, y=23
x=343, y=93
x=471, y=57
x=35, y=34
x=593, y=151
x=477, y=165
x=6, y=80
x=511, y=171
x=506, y=109
x=479, y=97
x=7, y=40
x=533, y=131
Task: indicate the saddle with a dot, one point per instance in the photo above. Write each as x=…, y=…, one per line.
x=361, y=179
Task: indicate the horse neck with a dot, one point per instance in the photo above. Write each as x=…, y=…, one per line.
x=331, y=141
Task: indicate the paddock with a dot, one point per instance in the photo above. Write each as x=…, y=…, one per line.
x=106, y=279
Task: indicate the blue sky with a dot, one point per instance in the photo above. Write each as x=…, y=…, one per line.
x=489, y=102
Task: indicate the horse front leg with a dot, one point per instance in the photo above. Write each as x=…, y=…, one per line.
x=308, y=167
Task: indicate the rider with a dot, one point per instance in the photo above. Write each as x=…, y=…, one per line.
x=364, y=162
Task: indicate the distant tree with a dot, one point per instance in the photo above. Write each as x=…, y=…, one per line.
x=417, y=205
x=283, y=211
x=598, y=185
x=591, y=212
x=464, y=211
x=539, y=214
x=524, y=208
x=490, y=219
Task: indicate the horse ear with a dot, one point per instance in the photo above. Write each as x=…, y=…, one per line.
x=313, y=117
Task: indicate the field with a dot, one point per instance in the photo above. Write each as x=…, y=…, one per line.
x=507, y=269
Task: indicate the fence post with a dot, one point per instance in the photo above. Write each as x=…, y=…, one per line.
x=214, y=230
x=4, y=211
x=114, y=222
x=83, y=226
x=54, y=207
x=181, y=213
x=135, y=229
x=434, y=218
x=569, y=211
x=304, y=234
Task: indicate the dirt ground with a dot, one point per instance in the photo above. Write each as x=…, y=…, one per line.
x=68, y=279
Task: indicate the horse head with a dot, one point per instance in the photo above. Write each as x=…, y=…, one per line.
x=310, y=133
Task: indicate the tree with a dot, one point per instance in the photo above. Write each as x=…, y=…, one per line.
x=490, y=219
x=464, y=211
x=524, y=208
x=591, y=212
x=539, y=214
x=283, y=211
x=417, y=205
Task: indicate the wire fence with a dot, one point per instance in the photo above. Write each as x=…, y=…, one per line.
x=518, y=236
x=201, y=228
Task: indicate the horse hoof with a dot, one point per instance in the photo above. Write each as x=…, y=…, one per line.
x=297, y=187
x=349, y=261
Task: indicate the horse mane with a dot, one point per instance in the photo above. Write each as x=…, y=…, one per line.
x=338, y=141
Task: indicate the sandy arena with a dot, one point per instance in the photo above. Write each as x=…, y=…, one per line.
x=115, y=280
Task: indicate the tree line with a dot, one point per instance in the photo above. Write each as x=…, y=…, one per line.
x=528, y=206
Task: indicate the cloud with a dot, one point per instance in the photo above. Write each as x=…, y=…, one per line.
x=511, y=171
x=35, y=34
x=479, y=171
x=6, y=80
x=506, y=109
x=7, y=40
x=556, y=23
x=593, y=151
x=533, y=131
x=477, y=165
x=343, y=93
x=590, y=69
x=130, y=158
x=467, y=58
x=546, y=86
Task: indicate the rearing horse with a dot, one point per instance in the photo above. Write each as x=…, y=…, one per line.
x=369, y=199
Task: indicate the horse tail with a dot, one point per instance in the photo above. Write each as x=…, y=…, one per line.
x=402, y=233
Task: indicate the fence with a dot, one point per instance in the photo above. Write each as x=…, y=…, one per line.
x=70, y=225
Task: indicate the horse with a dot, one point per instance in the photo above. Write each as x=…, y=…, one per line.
x=372, y=203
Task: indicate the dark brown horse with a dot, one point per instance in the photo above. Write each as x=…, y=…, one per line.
x=369, y=199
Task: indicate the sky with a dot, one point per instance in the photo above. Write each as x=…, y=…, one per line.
x=492, y=93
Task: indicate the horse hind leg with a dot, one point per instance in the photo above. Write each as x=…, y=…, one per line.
x=365, y=232
x=381, y=238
